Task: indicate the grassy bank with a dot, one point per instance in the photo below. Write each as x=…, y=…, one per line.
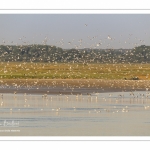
x=22, y=70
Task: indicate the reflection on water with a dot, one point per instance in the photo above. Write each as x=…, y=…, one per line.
x=117, y=113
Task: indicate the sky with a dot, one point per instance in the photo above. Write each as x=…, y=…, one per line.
x=76, y=30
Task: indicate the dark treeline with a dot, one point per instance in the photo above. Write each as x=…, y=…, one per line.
x=45, y=53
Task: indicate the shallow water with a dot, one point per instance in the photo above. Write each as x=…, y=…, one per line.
x=98, y=114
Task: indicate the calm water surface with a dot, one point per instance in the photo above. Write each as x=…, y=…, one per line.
x=98, y=114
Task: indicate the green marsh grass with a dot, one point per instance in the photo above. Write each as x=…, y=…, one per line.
x=26, y=70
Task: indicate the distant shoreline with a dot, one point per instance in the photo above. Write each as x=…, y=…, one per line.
x=71, y=86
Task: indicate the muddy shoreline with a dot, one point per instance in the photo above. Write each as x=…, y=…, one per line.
x=71, y=86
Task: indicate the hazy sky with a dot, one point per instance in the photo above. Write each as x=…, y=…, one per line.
x=76, y=30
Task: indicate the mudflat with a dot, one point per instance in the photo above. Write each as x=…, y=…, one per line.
x=71, y=86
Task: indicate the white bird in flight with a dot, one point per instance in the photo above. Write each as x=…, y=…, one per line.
x=109, y=38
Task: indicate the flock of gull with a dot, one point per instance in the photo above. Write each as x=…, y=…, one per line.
x=95, y=103
x=107, y=103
